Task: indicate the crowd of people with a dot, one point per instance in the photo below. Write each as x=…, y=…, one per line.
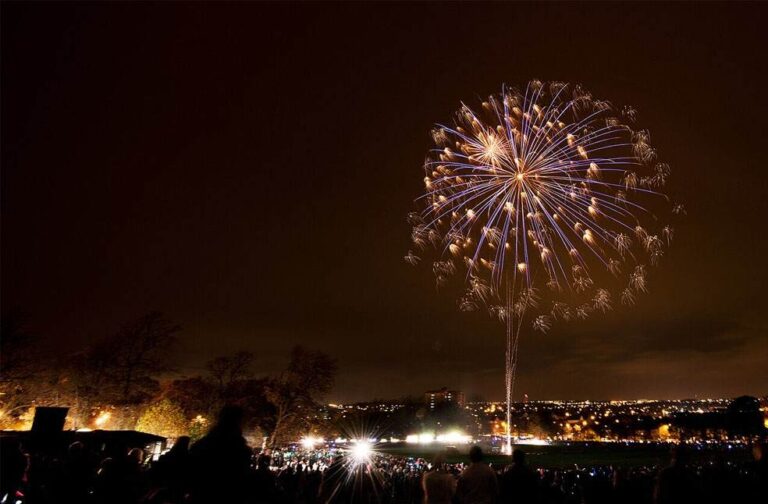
x=220, y=467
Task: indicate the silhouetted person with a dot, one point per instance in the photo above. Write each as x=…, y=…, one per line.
x=107, y=488
x=77, y=474
x=121, y=480
x=220, y=461
x=13, y=466
x=551, y=491
x=519, y=482
x=758, y=473
x=287, y=482
x=439, y=485
x=174, y=461
x=621, y=489
x=477, y=483
x=135, y=481
x=334, y=486
x=264, y=486
x=676, y=483
x=169, y=472
x=348, y=481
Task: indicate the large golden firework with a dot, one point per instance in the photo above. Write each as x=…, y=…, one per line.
x=547, y=201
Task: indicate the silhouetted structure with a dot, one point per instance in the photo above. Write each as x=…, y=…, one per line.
x=436, y=398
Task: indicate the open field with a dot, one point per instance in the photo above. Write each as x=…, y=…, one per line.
x=583, y=454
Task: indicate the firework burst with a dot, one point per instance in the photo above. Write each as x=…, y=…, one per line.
x=546, y=200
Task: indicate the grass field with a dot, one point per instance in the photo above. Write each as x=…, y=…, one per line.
x=581, y=454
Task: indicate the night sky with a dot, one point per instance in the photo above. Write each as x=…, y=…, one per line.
x=247, y=169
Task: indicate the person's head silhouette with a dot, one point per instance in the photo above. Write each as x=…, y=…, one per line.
x=518, y=457
x=262, y=462
x=135, y=457
x=439, y=461
x=475, y=454
x=76, y=449
x=230, y=419
x=760, y=452
x=181, y=445
x=679, y=455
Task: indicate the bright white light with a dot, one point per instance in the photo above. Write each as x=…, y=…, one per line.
x=426, y=438
x=449, y=438
x=454, y=437
x=533, y=442
x=361, y=452
x=309, y=442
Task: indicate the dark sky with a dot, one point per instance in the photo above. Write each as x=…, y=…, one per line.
x=247, y=169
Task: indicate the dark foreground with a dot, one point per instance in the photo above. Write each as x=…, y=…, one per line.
x=221, y=468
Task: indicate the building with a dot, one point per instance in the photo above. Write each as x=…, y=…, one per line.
x=434, y=398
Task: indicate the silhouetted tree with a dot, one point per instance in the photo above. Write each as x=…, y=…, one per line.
x=228, y=369
x=294, y=393
x=227, y=381
x=141, y=351
x=195, y=396
x=121, y=369
x=251, y=396
x=17, y=359
x=22, y=380
x=91, y=371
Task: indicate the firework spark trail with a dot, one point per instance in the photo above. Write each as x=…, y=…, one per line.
x=545, y=187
